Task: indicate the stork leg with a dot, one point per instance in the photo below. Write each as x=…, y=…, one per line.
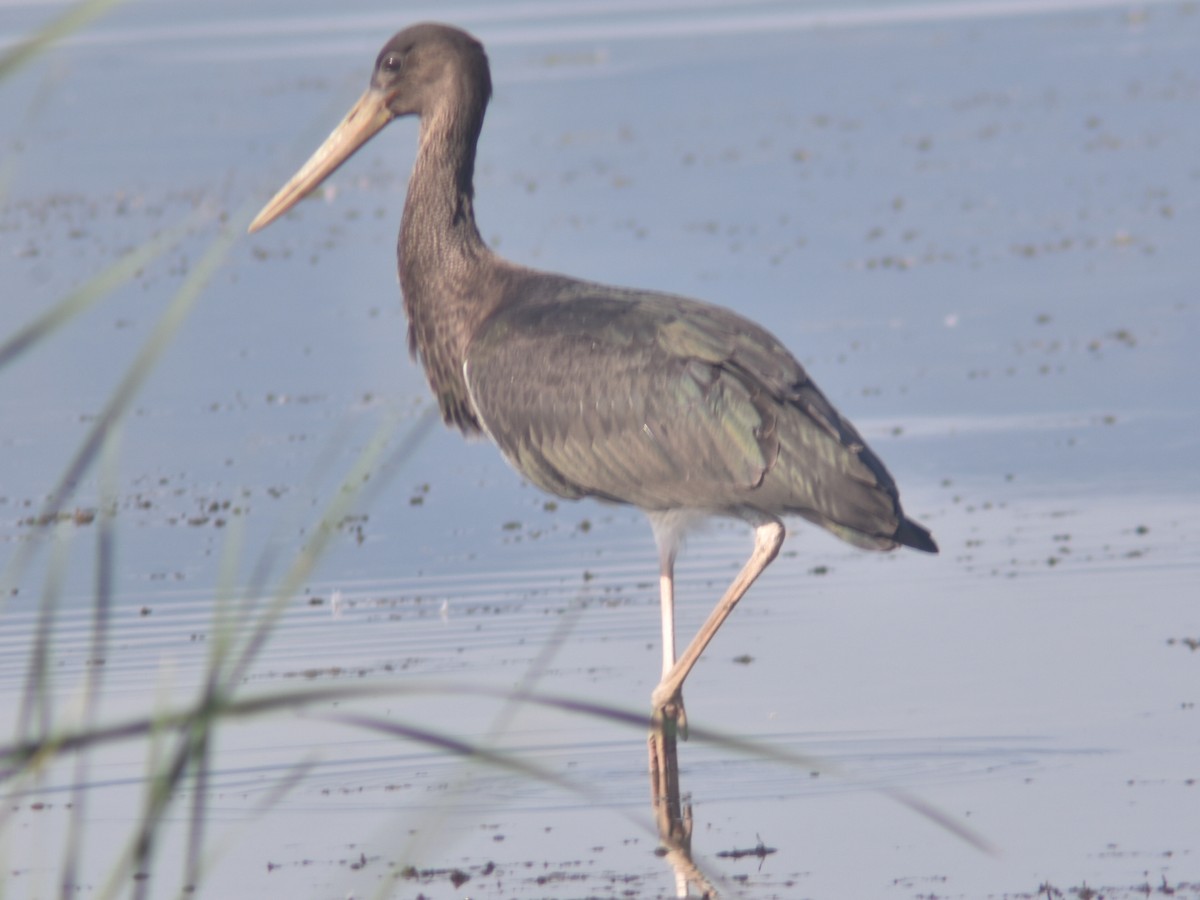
x=673, y=709
x=667, y=700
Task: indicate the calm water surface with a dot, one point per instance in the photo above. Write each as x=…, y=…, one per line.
x=974, y=223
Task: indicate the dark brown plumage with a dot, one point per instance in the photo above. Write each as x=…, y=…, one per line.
x=678, y=407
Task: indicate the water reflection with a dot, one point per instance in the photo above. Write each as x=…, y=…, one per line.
x=672, y=816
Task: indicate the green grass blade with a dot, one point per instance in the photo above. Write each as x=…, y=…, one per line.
x=120, y=400
x=86, y=295
x=101, y=619
x=364, y=476
x=75, y=18
x=35, y=716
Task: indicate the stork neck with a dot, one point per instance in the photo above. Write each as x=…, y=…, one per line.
x=445, y=268
x=438, y=236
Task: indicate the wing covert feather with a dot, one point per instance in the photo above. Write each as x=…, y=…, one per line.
x=665, y=403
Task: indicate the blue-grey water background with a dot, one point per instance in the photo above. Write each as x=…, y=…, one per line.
x=975, y=223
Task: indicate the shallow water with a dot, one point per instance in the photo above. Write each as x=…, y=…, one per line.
x=975, y=224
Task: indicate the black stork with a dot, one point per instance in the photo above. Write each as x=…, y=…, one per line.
x=682, y=409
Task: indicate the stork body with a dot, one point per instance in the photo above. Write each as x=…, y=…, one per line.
x=680, y=408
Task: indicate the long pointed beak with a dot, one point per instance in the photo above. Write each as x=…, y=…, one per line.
x=365, y=118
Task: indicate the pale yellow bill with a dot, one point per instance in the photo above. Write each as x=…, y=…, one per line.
x=365, y=118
